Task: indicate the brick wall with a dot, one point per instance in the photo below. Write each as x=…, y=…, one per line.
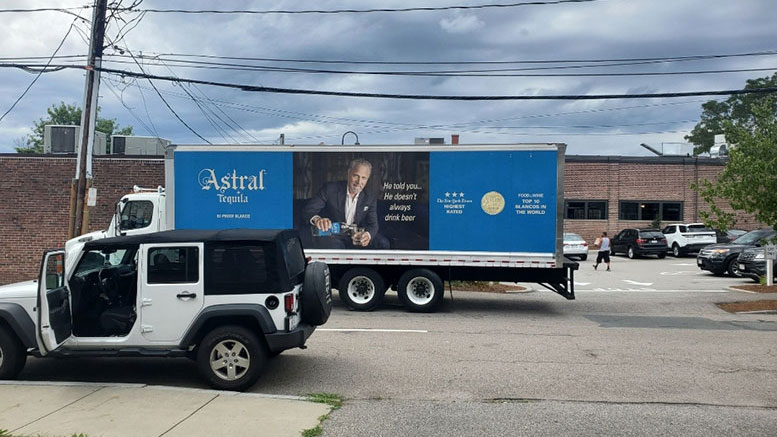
x=35, y=201
x=640, y=179
x=35, y=195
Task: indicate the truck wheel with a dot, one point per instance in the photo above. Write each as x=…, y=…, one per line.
x=612, y=251
x=316, y=294
x=676, y=250
x=733, y=268
x=362, y=289
x=231, y=358
x=583, y=257
x=631, y=254
x=662, y=255
x=12, y=354
x=420, y=290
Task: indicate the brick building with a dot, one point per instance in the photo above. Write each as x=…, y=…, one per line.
x=602, y=193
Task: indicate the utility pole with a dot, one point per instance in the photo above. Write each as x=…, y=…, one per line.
x=79, y=212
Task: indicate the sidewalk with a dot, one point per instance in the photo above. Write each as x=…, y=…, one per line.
x=65, y=409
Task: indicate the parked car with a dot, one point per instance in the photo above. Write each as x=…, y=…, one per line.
x=685, y=238
x=229, y=299
x=637, y=242
x=575, y=245
x=752, y=264
x=728, y=236
x=722, y=257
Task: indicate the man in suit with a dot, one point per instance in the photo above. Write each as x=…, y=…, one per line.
x=347, y=202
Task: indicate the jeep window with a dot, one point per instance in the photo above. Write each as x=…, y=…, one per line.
x=240, y=268
x=173, y=265
x=136, y=215
x=294, y=258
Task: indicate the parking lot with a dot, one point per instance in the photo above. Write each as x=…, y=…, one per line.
x=643, y=349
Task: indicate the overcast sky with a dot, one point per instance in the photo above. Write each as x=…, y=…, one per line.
x=598, y=30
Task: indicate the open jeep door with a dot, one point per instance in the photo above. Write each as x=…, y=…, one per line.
x=55, y=322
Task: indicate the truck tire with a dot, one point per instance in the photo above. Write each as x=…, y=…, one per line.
x=583, y=257
x=631, y=253
x=676, y=250
x=316, y=294
x=12, y=354
x=662, y=255
x=362, y=289
x=420, y=290
x=231, y=358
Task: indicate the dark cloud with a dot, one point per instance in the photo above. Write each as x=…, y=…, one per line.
x=599, y=30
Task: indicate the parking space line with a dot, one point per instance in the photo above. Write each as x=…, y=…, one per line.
x=639, y=290
x=416, y=331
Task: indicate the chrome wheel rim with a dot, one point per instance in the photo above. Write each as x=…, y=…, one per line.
x=230, y=360
x=361, y=290
x=1, y=357
x=420, y=290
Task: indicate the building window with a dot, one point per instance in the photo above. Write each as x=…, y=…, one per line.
x=636, y=210
x=586, y=209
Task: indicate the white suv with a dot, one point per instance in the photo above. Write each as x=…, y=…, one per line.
x=229, y=299
x=685, y=238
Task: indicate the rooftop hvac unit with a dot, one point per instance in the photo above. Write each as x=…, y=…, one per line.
x=719, y=150
x=63, y=139
x=132, y=145
x=430, y=141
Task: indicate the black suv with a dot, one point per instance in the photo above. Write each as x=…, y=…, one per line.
x=752, y=264
x=638, y=242
x=722, y=257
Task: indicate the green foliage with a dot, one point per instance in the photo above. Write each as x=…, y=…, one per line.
x=721, y=117
x=656, y=223
x=333, y=400
x=65, y=114
x=749, y=180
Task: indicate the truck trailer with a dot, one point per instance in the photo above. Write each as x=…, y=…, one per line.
x=425, y=214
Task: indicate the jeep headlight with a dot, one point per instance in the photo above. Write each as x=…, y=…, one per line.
x=759, y=256
x=719, y=252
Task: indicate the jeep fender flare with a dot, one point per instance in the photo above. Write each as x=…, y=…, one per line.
x=20, y=322
x=254, y=311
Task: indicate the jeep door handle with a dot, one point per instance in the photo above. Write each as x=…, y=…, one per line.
x=186, y=295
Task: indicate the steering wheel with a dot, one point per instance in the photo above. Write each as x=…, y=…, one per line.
x=108, y=283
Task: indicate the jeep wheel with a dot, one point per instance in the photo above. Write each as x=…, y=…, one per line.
x=676, y=250
x=733, y=268
x=316, y=294
x=12, y=354
x=362, y=289
x=420, y=290
x=231, y=358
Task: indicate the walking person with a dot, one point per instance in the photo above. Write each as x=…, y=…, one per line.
x=603, y=243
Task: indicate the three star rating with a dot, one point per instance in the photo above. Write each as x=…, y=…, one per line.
x=454, y=194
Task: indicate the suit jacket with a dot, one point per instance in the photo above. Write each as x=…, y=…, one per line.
x=329, y=202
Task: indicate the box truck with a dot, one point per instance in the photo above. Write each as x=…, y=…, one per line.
x=407, y=217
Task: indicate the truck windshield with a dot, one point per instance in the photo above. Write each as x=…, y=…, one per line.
x=136, y=215
x=754, y=237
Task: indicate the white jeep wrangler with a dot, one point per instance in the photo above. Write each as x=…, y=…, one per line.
x=229, y=299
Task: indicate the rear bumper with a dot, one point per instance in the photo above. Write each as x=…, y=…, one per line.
x=694, y=247
x=280, y=341
x=650, y=250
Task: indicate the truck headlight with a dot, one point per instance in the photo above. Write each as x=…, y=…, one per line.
x=719, y=252
x=759, y=255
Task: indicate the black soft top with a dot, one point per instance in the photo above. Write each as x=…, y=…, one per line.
x=192, y=235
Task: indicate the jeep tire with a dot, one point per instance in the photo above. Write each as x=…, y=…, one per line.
x=316, y=294
x=12, y=354
x=420, y=290
x=361, y=289
x=231, y=358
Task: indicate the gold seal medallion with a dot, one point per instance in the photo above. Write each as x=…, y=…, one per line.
x=492, y=203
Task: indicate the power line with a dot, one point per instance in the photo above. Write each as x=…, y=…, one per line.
x=253, y=88
x=449, y=73
x=535, y=61
x=356, y=11
x=41, y=71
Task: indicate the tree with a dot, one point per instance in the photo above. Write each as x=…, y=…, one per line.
x=748, y=182
x=738, y=109
x=69, y=115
